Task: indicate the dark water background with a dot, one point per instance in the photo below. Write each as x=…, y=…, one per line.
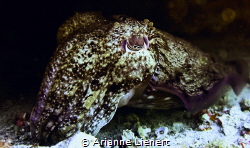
x=28, y=30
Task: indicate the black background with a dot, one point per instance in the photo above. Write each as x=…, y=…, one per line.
x=28, y=36
x=28, y=32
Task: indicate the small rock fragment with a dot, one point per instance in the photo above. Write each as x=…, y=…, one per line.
x=143, y=132
x=178, y=127
x=161, y=132
x=245, y=104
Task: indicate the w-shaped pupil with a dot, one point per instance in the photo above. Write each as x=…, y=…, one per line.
x=135, y=43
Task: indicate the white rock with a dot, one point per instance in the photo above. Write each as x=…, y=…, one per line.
x=161, y=132
x=80, y=139
x=228, y=125
x=144, y=131
x=229, y=130
x=177, y=126
x=246, y=125
x=128, y=135
x=205, y=118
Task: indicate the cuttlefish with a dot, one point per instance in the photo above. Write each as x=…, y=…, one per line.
x=102, y=63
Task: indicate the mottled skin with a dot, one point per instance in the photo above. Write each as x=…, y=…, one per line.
x=101, y=63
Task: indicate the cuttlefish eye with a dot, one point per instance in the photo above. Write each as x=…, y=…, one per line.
x=135, y=43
